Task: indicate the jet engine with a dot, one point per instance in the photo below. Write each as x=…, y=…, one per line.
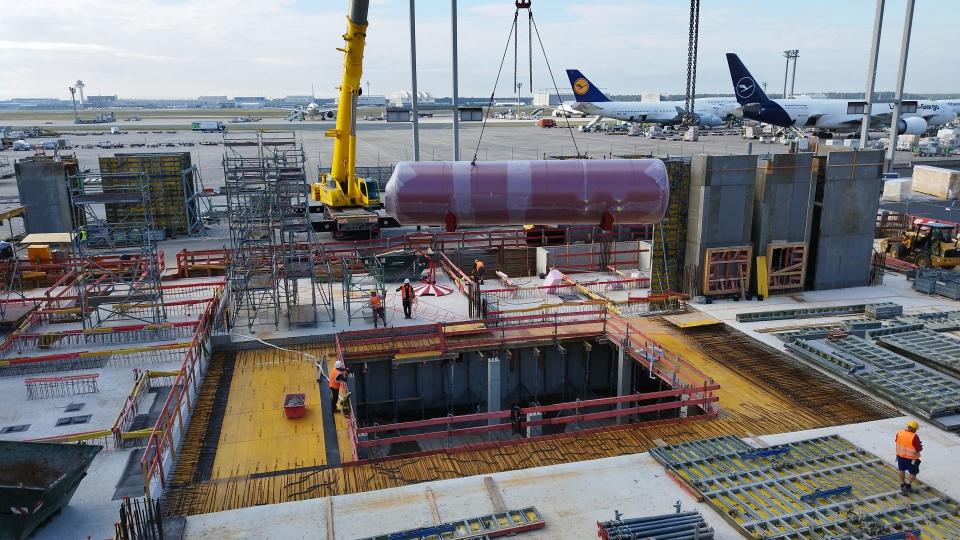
x=710, y=120
x=913, y=125
x=329, y=115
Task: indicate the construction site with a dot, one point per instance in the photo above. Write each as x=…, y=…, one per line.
x=717, y=345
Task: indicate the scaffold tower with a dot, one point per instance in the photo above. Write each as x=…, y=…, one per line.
x=273, y=265
x=116, y=259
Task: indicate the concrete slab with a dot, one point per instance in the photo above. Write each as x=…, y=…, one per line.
x=571, y=497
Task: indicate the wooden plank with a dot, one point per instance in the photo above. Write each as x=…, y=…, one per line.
x=495, y=496
x=692, y=319
x=433, y=507
x=47, y=238
x=330, y=518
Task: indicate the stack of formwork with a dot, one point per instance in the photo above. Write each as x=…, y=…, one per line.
x=844, y=217
x=670, y=235
x=172, y=188
x=720, y=222
x=783, y=204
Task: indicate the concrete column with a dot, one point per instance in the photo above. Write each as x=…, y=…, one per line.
x=624, y=377
x=872, y=72
x=413, y=79
x=901, y=76
x=456, y=92
x=493, y=387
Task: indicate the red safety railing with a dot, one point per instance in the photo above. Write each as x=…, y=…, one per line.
x=575, y=412
x=160, y=451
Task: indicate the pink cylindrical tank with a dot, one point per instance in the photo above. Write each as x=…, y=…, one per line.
x=569, y=192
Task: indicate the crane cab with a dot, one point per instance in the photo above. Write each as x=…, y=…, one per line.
x=329, y=193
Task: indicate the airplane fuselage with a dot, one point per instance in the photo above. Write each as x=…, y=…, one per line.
x=835, y=115
x=710, y=110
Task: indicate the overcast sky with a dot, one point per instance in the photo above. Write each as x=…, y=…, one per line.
x=186, y=48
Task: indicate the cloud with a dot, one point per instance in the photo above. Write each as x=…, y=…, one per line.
x=75, y=48
x=183, y=48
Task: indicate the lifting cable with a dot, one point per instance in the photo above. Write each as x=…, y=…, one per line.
x=514, y=35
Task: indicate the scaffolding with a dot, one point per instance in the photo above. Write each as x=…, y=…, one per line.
x=116, y=260
x=273, y=248
x=360, y=276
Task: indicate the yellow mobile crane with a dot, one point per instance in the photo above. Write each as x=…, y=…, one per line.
x=349, y=203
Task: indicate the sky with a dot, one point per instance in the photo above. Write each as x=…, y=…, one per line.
x=274, y=48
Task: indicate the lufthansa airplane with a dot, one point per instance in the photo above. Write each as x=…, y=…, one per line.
x=831, y=114
x=590, y=100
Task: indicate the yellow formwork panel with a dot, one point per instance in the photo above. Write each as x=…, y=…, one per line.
x=255, y=435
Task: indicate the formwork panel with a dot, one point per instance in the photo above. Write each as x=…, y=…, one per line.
x=806, y=490
x=172, y=200
x=670, y=235
x=934, y=348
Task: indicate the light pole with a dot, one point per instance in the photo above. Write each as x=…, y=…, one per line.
x=792, y=54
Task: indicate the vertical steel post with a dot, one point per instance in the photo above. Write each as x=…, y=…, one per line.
x=901, y=76
x=493, y=388
x=456, y=97
x=413, y=76
x=786, y=73
x=872, y=73
x=793, y=75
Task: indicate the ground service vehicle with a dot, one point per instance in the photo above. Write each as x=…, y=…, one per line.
x=347, y=205
x=207, y=126
x=928, y=245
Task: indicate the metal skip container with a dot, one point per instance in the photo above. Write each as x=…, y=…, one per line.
x=568, y=192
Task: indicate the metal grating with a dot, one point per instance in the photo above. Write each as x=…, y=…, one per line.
x=812, y=489
x=919, y=389
x=940, y=350
x=872, y=353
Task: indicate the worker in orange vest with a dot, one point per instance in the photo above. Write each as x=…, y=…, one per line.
x=376, y=305
x=908, y=454
x=407, y=297
x=478, y=271
x=338, y=381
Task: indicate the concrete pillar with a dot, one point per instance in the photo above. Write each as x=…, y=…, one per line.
x=493, y=387
x=624, y=378
x=872, y=73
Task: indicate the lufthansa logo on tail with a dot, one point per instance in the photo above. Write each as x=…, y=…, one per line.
x=581, y=86
x=746, y=87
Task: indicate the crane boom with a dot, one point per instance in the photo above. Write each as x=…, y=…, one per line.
x=340, y=188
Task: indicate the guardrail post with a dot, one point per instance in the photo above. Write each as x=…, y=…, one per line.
x=624, y=377
x=493, y=388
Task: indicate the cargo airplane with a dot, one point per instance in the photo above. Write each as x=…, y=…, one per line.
x=590, y=100
x=830, y=114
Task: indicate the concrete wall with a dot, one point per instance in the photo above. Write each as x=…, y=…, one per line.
x=43, y=191
x=783, y=200
x=848, y=194
x=721, y=209
x=460, y=385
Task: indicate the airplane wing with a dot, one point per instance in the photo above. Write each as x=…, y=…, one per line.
x=586, y=107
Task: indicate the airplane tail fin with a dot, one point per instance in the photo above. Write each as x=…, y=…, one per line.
x=583, y=89
x=745, y=87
